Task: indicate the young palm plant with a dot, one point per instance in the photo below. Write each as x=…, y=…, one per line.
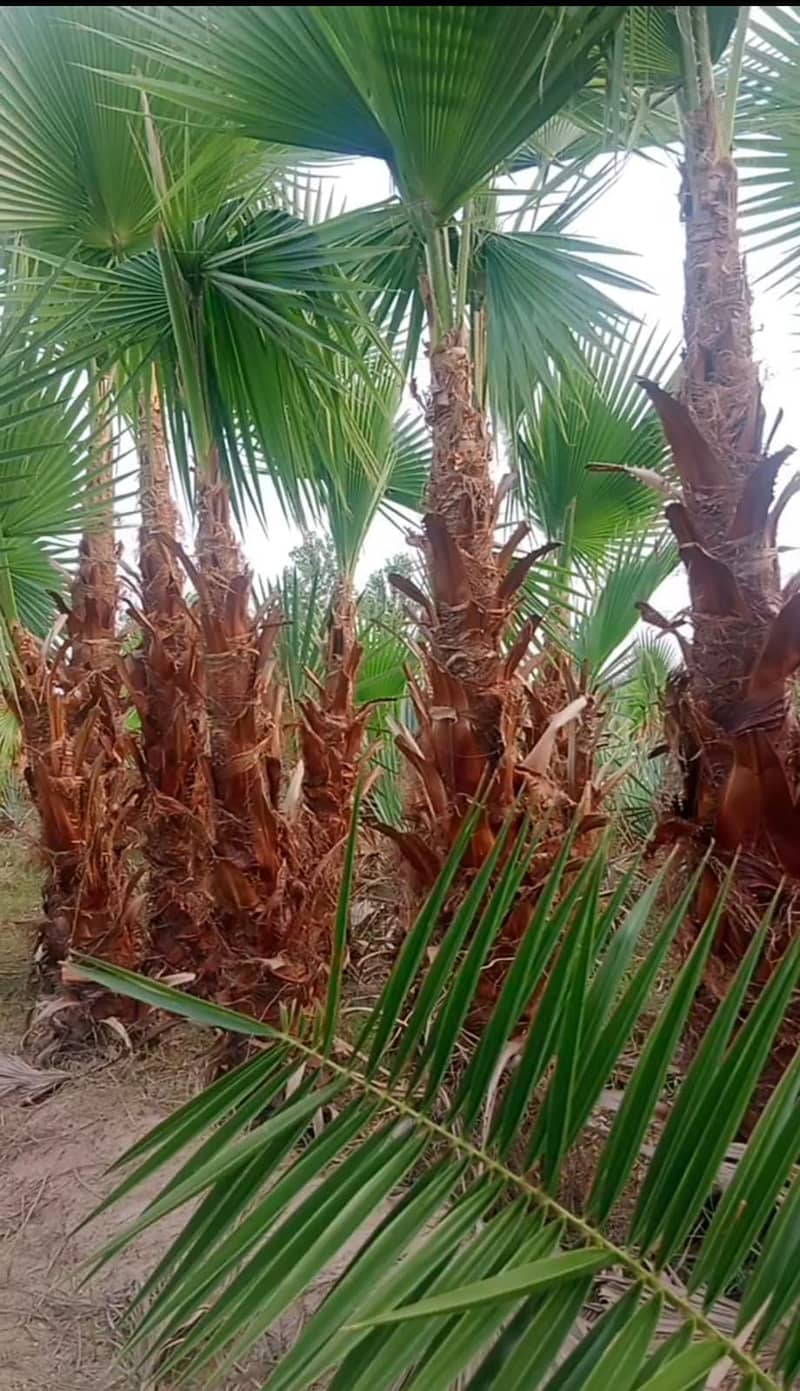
x=343, y=670
x=592, y=465
x=550, y=1215
x=334, y=721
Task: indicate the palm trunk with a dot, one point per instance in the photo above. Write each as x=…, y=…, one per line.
x=331, y=740
x=463, y=569
x=480, y=730
x=81, y=786
x=165, y=679
x=76, y=758
x=93, y=607
x=734, y=730
x=250, y=846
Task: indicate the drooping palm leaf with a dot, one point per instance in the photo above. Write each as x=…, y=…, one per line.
x=368, y=423
x=247, y=312
x=471, y=1262
x=48, y=434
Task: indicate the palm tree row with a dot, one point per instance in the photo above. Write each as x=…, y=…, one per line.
x=444, y=257
x=493, y=1203
x=219, y=325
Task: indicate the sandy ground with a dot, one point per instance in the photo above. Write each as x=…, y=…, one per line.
x=53, y=1156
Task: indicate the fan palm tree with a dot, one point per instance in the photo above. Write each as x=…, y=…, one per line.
x=502, y=308
x=166, y=229
x=551, y=1215
x=730, y=716
x=52, y=478
x=76, y=184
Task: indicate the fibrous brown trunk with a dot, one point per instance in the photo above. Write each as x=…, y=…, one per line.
x=482, y=732
x=251, y=843
x=331, y=741
x=91, y=622
x=80, y=781
x=733, y=729
x=165, y=677
x=467, y=733
x=78, y=756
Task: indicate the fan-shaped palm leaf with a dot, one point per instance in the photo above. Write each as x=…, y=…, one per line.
x=268, y=312
x=73, y=154
x=605, y=420
x=443, y=93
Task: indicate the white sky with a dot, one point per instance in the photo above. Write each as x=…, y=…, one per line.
x=639, y=214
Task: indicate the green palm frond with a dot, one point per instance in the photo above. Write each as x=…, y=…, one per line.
x=631, y=574
x=382, y=680
x=359, y=80
x=652, y=42
x=72, y=137
x=362, y=80
x=768, y=142
x=441, y=1188
x=632, y=751
x=603, y=419
x=547, y=309
x=248, y=315
x=49, y=431
x=630, y=107
x=369, y=424
x=639, y=699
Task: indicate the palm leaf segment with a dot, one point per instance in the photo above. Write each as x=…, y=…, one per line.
x=73, y=155
x=473, y=1259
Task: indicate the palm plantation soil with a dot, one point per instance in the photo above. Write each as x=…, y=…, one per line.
x=53, y=1157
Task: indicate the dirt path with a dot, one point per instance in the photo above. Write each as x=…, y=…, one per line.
x=53, y=1158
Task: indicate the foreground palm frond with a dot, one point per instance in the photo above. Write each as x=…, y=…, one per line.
x=440, y=1167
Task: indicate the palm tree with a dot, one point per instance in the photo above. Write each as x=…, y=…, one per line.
x=730, y=714
x=166, y=228
x=52, y=475
x=76, y=185
x=359, y=81
x=550, y=1214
